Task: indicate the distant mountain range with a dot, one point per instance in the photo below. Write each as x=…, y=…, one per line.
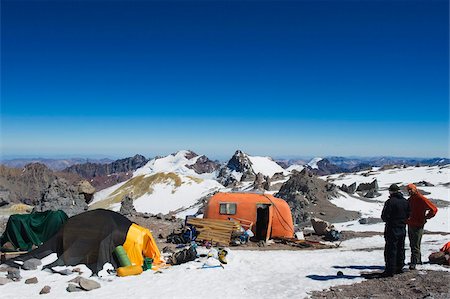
x=180, y=182
x=54, y=164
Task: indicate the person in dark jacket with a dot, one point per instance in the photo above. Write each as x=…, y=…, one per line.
x=395, y=213
x=422, y=209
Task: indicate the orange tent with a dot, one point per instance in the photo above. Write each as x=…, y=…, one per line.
x=268, y=216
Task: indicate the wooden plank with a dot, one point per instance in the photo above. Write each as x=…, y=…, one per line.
x=213, y=230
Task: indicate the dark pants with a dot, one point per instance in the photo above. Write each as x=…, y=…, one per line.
x=415, y=238
x=394, y=250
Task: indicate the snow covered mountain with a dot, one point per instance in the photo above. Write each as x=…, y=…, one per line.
x=242, y=170
x=163, y=185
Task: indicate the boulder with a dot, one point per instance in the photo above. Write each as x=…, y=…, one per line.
x=85, y=188
x=320, y=226
x=348, y=189
x=368, y=186
x=4, y=280
x=126, y=206
x=13, y=274
x=32, y=280
x=89, y=284
x=45, y=290
x=31, y=264
x=73, y=288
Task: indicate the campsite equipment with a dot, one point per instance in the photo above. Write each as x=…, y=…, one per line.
x=130, y=270
x=90, y=238
x=24, y=231
x=122, y=256
x=183, y=256
x=332, y=235
x=222, y=256
x=147, y=264
x=214, y=230
x=265, y=215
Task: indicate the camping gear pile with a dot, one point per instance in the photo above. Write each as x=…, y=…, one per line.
x=442, y=257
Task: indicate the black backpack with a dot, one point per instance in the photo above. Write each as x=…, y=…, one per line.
x=183, y=256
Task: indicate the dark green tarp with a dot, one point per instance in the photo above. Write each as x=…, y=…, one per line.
x=24, y=231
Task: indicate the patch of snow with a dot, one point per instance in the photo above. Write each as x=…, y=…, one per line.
x=166, y=197
x=313, y=162
x=102, y=194
x=296, y=167
x=265, y=165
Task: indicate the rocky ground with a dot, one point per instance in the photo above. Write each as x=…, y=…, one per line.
x=411, y=284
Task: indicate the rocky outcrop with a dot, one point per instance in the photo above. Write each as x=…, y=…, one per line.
x=309, y=196
x=302, y=190
x=204, y=165
x=25, y=185
x=60, y=195
x=240, y=163
x=261, y=182
x=126, y=206
x=348, y=189
x=28, y=184
x=86, y=189
x=368, y=190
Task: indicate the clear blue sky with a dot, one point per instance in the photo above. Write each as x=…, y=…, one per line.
x=279, y=78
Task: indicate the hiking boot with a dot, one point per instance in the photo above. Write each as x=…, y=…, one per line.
x=399, y=271
x=412, y=267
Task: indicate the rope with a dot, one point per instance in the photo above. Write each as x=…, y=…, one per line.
x=281, y=215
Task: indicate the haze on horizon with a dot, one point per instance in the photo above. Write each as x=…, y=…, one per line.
x=281, y=79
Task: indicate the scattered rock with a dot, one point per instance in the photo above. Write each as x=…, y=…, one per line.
x=13, y=274
x=423, y=184
x=370, y=220
x=88, y=284
x=73, y=288
x=31, y=264
x=4, y=280
x=32, y=280
x=320, y=226
x=45, y=290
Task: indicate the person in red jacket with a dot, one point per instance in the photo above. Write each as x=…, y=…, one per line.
x=421, y=209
